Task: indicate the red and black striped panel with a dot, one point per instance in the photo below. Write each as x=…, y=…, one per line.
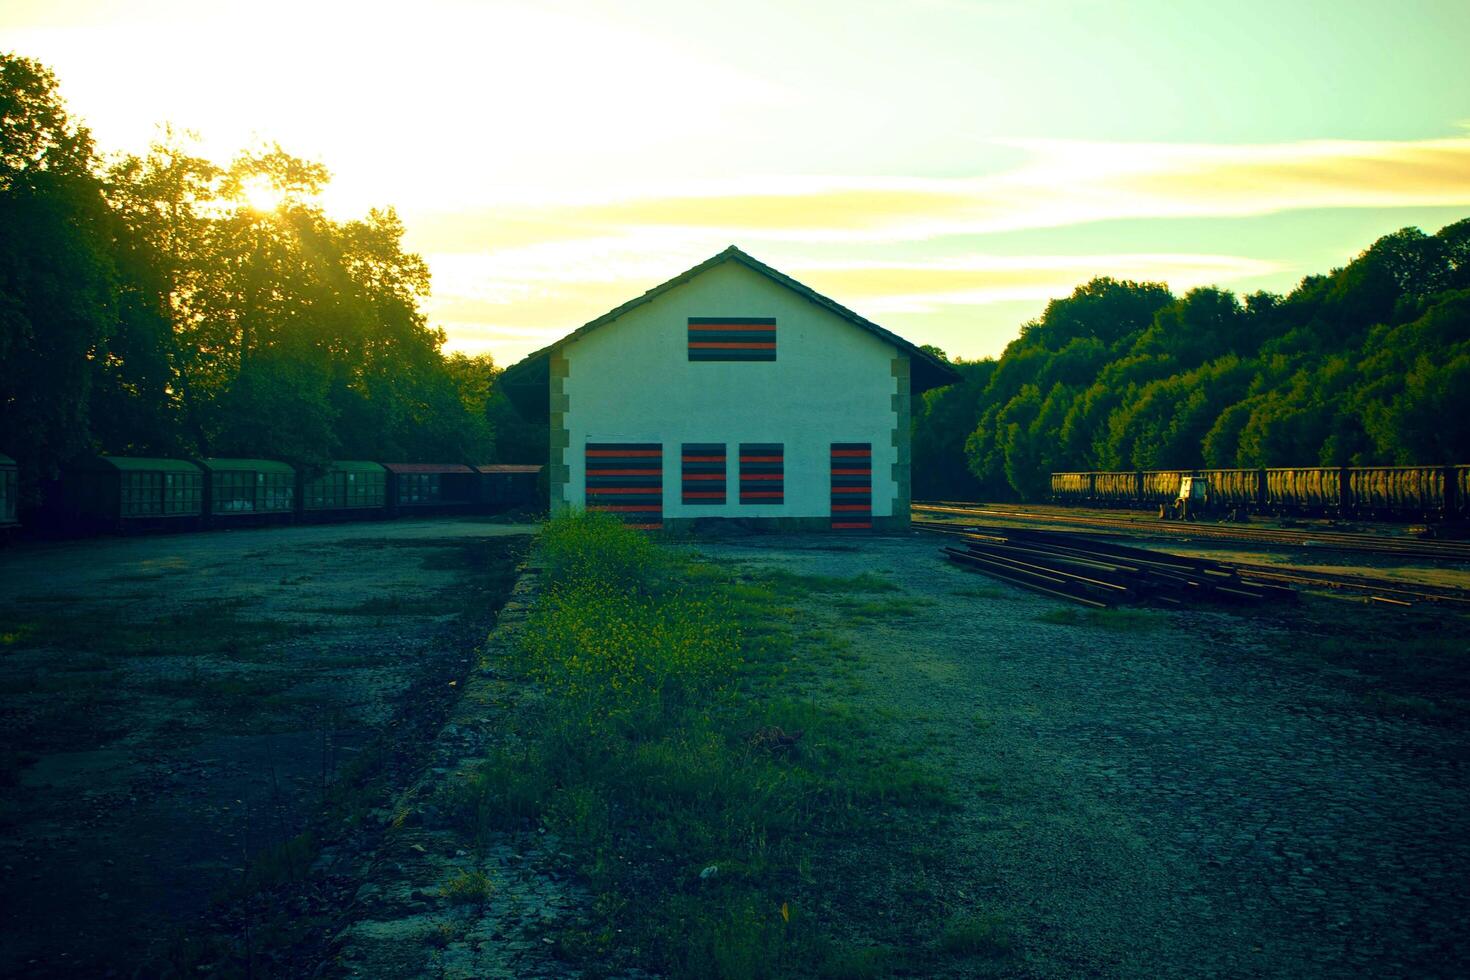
x=852, y=485
x=732, y=338
x=704, y=472
x=627, y=479
x=762, y=473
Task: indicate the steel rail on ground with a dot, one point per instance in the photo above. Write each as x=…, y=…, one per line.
x=1022, y=555
x=1335, y=540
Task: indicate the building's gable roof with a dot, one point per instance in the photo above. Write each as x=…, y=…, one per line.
x=926, y=371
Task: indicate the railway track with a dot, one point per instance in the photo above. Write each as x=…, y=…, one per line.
x=1220, y=580
x=1280, y=537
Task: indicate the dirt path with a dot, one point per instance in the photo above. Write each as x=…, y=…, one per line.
x=179, y=711
x=1164, y=795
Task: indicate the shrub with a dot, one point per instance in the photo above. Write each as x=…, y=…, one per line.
x=580, y=546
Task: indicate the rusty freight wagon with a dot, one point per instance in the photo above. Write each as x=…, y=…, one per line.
x=349, y=488
x=1071, y=488
x=1304, y=490
x=1412, y=492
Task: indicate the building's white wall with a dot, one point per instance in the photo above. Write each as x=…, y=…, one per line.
x=632, y=381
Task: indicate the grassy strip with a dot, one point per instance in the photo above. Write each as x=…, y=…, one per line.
x=726, y=825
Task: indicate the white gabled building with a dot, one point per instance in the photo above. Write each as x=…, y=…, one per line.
x=731, y=391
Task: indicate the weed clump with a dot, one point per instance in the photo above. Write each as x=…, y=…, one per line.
x=468, y=888
x=665, y=751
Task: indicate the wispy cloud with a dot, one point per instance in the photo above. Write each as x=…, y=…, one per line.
x=525, y=273
x=1060, y=183
x=510, y=315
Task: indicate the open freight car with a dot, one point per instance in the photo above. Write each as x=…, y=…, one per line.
x=1236, y=489
x=1117, y=489
x=1072, y=488
x=1158, y=487
x=1398, y=492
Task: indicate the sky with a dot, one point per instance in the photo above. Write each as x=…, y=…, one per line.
x=943, y=167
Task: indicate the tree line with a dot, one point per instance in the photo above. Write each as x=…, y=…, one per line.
x=1367, y=365
x=159, y=304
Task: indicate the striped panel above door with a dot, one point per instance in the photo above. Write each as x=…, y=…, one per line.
x=704, y=472
x=762, y=473
x=852, y=485
x=732, y=338
x=627, y=479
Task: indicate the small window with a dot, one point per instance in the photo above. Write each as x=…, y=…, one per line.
x=762, y=473
x=732, y=338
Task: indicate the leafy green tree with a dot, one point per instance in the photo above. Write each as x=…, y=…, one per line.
x=57, y=295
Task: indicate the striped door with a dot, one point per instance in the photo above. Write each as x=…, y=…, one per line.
x=627, y=479
x=762, y=473
x=852, y=485
x=703, y=472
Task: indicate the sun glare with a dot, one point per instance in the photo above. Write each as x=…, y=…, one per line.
x=259, y=194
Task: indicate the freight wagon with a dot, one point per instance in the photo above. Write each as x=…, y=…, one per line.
x=1117, y=489
x=1398, y=491
x=241, y=491
x=1236, y=489
x=1304, y=490
x=503, y=486
x=1071, y=488
x=348, y=489
x=1160, y=486
x=135, y=493
x=130, y=493
x=1366, y=492
x=429, y=488
x=9, y=492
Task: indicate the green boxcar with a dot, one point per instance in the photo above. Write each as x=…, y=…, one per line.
x=1161, y=486
x=430, y=487
x=347, y=486
x=130, y=491
x=9, y=490
x=249, y=487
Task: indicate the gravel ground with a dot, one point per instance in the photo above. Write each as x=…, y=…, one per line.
x=172, y=706
x=1171, y=799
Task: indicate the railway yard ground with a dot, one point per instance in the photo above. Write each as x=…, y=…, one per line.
x=191, y=720
x=1217, y=791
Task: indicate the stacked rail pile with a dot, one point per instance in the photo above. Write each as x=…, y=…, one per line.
x=1100, y=575
x=1323, y=538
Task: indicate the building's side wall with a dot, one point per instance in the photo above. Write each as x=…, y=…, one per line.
x=632, y=381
